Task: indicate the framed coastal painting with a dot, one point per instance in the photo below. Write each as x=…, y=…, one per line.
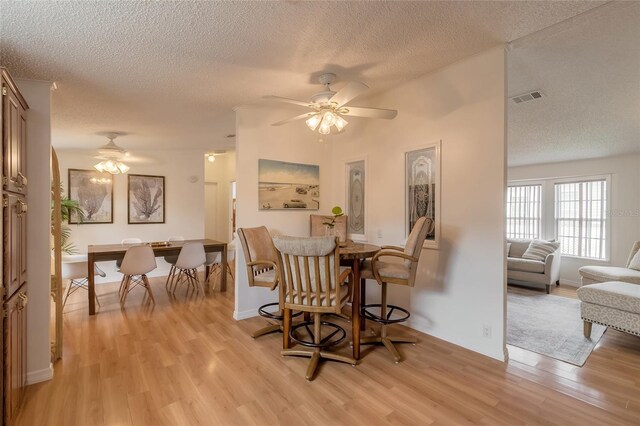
x=288, y=186
x=422, y=190
x=355, y=204
x=93, y=191
x=146, y=199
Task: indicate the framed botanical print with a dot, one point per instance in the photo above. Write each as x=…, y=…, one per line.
x=146, y=199
x=93, y=191
x=422, y=190
x=355, y=204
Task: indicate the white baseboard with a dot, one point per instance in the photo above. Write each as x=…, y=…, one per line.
x=40, y=375
x=245, y=314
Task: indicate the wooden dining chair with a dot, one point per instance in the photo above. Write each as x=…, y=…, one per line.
x=402, y=273
x=262, y=271
x=313, y=282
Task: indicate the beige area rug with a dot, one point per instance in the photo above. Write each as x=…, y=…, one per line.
x=550, y=325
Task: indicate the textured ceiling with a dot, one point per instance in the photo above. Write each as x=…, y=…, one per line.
x=589, y=70
x=169, y=73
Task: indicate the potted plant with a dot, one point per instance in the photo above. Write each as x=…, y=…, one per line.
x=330, y=224
x=68, y=207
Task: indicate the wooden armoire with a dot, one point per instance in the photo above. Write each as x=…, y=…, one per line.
x=14, y=247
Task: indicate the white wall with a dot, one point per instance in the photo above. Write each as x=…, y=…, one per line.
x=624, y=198
x=256, y=139
x=38, y=96
x=460, y=287
x=222, y=172
x=184, y=214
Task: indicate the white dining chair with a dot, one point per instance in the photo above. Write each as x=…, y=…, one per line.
x=127, y=241
x=215, y=265
x=74, y=269
x=171, y=260
x=137, y=263
x=191, y=257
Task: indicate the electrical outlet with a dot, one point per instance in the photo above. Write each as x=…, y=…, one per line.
x=379, y=233
x=486, y=331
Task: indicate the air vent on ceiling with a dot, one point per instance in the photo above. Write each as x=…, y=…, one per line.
x=526, y=97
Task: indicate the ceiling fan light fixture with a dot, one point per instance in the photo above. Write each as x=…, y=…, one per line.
x=324, y=129
x=123, y=168
x=313, y=121
x=111, y=166
x=328, y=119
x=340, y=123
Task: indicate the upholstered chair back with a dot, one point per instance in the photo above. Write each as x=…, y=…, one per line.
x=310, y=269
x=634, y=250
x=413, y=247
x=259, y=253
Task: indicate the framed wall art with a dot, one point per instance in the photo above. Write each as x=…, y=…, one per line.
x=288, y=186
x=93, y=191
x=422, y=190
x=146, y=199
x=355, y=204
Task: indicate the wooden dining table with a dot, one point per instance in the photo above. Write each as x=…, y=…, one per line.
x=352, y=255
x=107, y=252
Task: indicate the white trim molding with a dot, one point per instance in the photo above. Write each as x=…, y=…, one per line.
x=40, y=375
x=250, y=313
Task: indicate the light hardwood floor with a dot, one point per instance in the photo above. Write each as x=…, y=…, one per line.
x=188, y=362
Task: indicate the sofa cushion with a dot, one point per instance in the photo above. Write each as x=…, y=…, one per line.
x=613, y=294
x=610, y=273
x=539, y=249
x=518, y=246
x=525, y=265
x=634, y=263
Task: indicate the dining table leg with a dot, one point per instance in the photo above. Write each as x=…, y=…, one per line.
x=223, y=273
x=355, y=309
x=91, y=283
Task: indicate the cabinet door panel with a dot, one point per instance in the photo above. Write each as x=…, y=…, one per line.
x=15, y=242
x=14, y=142
x=15, y=333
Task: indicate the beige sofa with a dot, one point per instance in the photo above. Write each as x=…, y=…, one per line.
x=531, y=272
x=602, y=274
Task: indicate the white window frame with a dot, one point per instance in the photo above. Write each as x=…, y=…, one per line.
x=542, y=185
x=607, y=210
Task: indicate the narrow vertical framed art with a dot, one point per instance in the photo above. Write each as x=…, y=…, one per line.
x=355, y=198
x=422, y=190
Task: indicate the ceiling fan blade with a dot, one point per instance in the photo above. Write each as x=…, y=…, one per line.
x=296, y=118
x=387, y=114
x=348, y=92
x=288, y=101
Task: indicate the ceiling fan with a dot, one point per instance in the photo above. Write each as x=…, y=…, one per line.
x=111, y=154
x=328, y=108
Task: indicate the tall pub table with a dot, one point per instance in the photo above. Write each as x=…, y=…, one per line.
x=106, y=252
x=351, y=255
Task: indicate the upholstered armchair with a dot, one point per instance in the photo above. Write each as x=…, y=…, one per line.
x=402, y=273
x=601, y=274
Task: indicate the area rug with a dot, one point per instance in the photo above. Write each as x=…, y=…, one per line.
x=550, y=325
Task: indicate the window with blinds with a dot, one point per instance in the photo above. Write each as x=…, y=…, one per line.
x=581, y=218
x=523, y=211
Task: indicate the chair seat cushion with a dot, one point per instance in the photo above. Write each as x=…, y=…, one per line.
x=267, y=277
x=610, y=273
x=385, y=269
x=343, y=293
x=612, y=294
x=525, y=265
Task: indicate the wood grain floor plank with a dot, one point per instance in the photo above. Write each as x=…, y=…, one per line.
x=187, y=362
